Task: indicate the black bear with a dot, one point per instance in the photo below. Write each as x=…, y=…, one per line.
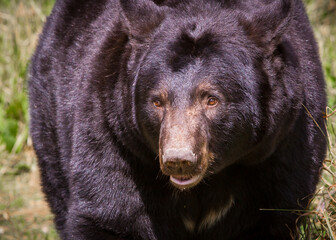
x=170, y=119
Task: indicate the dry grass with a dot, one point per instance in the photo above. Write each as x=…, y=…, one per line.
x=24, y=213
x=322, y=14
x=321, y=220
x=20, y=25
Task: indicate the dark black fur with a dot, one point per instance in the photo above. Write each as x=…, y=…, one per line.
x=96, y=136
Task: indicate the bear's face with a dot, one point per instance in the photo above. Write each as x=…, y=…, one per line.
x=196, y=105
x=199, y=92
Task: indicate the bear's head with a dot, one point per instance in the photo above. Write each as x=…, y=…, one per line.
x=208, y=79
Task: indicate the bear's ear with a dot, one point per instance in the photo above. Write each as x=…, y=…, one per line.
x=266, y=23
x=142, y=17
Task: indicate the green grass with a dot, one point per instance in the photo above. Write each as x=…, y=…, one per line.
x=322, y=14
x=20, y=24
x=23, y=211
x=321, y=216
x=321, y=220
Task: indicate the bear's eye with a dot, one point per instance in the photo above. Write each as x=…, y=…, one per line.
x=157, y=103
x=212, y=101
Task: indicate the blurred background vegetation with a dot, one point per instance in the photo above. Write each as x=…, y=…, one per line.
x=23, y=211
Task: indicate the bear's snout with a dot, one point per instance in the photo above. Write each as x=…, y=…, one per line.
x=183, y=148
x=182, y=166
x=179, y=161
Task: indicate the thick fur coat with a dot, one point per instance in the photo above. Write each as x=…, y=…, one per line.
x=169, y=119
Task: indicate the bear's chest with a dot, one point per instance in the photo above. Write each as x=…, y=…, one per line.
x=199, y=216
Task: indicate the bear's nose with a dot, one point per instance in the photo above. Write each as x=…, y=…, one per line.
x=179, y=160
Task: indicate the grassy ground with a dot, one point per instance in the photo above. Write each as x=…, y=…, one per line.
x=23, y=211
x=321, y=220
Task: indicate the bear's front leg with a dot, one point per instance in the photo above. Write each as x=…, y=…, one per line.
x=81, y=227
x=105, y=201
x=85, y=223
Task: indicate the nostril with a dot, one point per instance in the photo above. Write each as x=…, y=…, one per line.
x=187, y=163
x=171, y=164
x=177, y=167
x=179, y=155
x=179, y=160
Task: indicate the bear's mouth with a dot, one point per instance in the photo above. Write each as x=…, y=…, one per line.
x=185, y=181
